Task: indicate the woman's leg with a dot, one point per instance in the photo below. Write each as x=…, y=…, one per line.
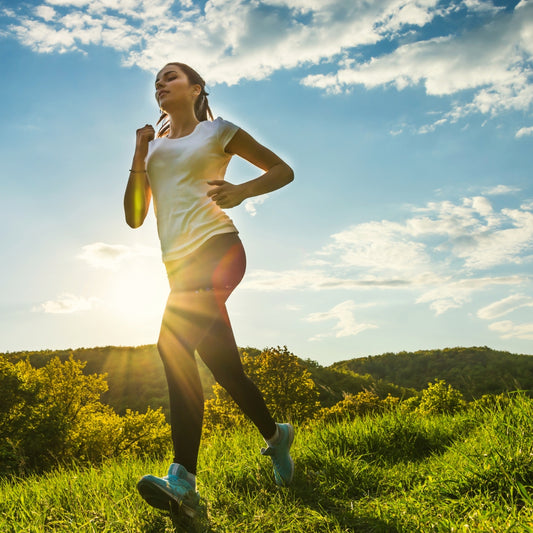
x=187, y=317
x=196, y=318
x=220, y=353
x=200, y=285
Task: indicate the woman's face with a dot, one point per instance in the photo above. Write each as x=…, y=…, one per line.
x=172, y=85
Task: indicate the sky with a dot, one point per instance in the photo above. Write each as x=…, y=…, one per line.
x=409, y=127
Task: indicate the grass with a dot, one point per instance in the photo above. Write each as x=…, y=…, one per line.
x=398, y=472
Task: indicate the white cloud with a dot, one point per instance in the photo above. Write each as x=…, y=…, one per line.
x=74, y=3
x=396, y=132
x=522, y=132
x=293, y=307
x=428, y=128
x=505, y=306
x=45, y=12
x=500, y=189
x=67, y=303
x=102, y=255
x=317, y=280
x=453, y=294
x=470, y=231
x=346, y=325
x=493, y=60
x=231, y=40
x=433, y=252
x=251, y=203
x=509, y=330
x=505, y=245
x=380, y=246
x=480, y=5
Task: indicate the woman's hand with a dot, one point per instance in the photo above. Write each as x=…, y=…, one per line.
x=144, y=136
x=225, y=194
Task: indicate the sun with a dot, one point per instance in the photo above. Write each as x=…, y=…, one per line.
x=137, y=293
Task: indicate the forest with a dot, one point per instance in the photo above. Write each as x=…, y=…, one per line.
x=136, y=379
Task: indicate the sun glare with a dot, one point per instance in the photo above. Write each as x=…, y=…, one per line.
x=138, y=293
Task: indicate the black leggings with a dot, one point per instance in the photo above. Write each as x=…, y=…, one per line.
x=196, y=318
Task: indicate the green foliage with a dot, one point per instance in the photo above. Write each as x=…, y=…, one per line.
x=135, y=375
x=285, y=383
x=440, y=398
x=490, y=402
x=354, y=405
x=474, y=371
x=53, y=414
x=106, y=434
x=287, y=386
x=395, y=472
x=335, y=383
x=436, y=398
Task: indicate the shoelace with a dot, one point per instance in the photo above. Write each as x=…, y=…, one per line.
x=271, y=452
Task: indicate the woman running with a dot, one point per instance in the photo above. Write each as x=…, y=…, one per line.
x=183, y=167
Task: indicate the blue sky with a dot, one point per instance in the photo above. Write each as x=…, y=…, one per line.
x=409, y=127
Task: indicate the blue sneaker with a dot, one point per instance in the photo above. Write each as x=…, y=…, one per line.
x=162, y=492
x=279, y=453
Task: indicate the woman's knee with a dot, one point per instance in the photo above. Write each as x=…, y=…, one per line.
x=230, y=378
x=172, y=346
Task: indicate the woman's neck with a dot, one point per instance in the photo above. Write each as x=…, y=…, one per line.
x=182, y=122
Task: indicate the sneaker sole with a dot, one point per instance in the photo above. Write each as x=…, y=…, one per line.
x=159, y=498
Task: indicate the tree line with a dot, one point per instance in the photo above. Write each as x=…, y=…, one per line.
x=136, y=378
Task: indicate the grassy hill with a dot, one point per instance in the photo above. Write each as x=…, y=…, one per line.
x=474, y=371
x=392, y=473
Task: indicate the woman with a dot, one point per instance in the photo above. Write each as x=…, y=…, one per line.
x=183, y=168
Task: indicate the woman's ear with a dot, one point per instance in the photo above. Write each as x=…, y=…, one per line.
x=197, y=90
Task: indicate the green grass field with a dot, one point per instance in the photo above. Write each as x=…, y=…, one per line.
x=397, y=472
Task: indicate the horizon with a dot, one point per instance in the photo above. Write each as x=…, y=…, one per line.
x=154, y=345
x=409, y=128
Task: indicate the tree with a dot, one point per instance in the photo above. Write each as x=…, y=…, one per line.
x=285, y=383
x=440, y=398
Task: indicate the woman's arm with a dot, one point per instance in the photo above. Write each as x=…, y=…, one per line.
x=138, y=192
x=277, y=175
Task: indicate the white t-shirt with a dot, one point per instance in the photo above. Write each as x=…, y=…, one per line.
x=178, y=171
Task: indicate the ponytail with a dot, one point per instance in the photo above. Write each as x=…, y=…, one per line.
x=201, y=104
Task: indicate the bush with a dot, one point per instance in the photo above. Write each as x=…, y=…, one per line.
x=354, y=405
x=54, y=415
x=439, y=398
x=286, y=385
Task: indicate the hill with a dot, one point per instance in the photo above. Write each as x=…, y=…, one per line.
x=137, y=380
x=334, y=383
x=136, y=377
x=474, y=371
x=389, y=473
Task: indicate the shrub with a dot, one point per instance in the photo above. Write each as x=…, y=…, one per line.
x=286, y=385
x=354, y=405
x=439, y=398
x=54, y=415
